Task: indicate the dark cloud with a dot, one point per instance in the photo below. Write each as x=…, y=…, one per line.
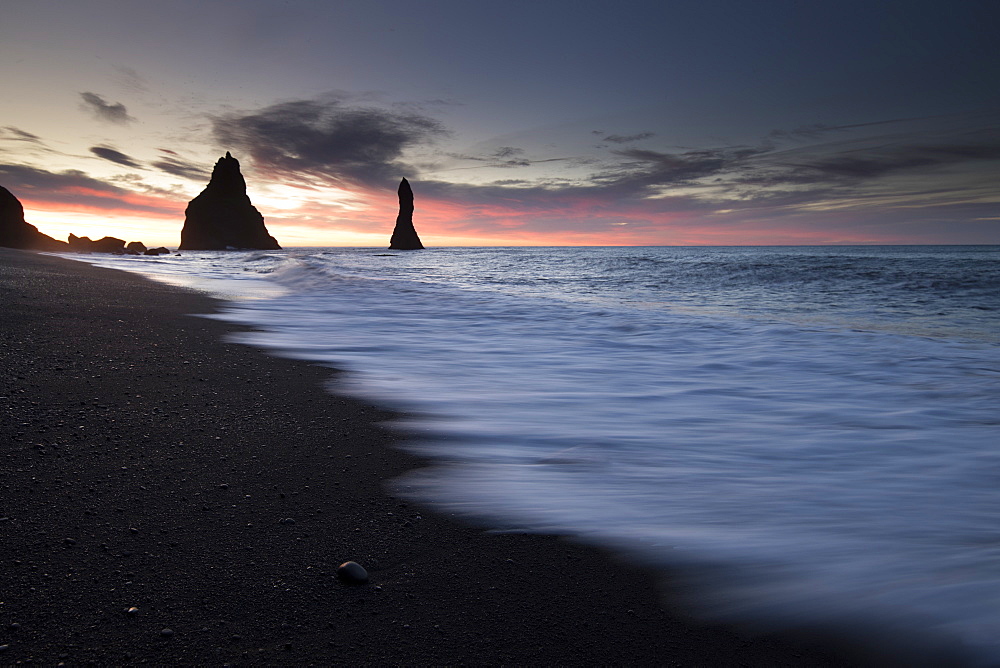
x=33, y=178
x=112, y=113
x=11, y=133
x=114, y=156
x=856, y=165
x=624, y=139
x=328, y=137
x=762, y=173
x=178, y=167
x=644, y=169
x=72, y=187
x=503, y=157
x=505, y=152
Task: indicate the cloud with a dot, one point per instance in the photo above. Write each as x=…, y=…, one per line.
x=178, y=167
x=503, y=157
x=883, y=161
x=644, y=171
x=816, y=130
x=114, y=156
x=73, y=189
x=11, y=133
x=624, y=139
x=895, y=179
x=112, y=113
x=328, y=137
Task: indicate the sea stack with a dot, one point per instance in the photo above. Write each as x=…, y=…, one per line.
x=222, y=217
x=15, y=232
x=404, y=236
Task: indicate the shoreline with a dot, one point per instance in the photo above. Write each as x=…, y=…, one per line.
x=152, y=464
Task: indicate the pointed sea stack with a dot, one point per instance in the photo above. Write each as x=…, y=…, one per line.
x=404, y=236
x=15, y=232
x=222, y=217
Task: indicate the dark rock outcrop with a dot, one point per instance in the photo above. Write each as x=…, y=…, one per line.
x=135, y=248
x=15, y=232
x=102, y=245
x=157, y=251
x=404, y=236
x=222, y=217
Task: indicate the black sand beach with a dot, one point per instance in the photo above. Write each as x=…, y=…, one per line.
x=148, y=464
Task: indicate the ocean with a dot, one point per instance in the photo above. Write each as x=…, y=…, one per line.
x=798, y=435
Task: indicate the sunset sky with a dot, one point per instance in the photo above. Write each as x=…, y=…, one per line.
x=539, y=122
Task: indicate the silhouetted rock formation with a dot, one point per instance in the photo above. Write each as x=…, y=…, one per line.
x=135, y=248
x=102, y=245
x=15, y=232
x=157, y=251
x=222, y=217
x=404, y=236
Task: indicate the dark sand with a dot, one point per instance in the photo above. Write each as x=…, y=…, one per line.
x=147, y=463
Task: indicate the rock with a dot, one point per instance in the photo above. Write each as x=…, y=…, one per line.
x=404, y=236
x=352, y=572
x=222, y=217
x=167, y=633
x=15, y=232
x=102, y=245
x=135, y=248
x=157, y=251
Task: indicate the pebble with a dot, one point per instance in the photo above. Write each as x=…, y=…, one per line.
x=352, y=572
x=167, y=633
x=132, y=611
x=287, y=520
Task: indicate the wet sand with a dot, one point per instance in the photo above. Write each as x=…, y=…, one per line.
x=149, y=464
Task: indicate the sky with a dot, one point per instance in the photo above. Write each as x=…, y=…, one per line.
x=542, y=122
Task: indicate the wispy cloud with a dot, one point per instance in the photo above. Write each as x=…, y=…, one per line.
x=114, y=156
x=625, y=139
x=503, y=158
x=112, y=113
x=817, y=130
x=172, y=164
x=11, y=133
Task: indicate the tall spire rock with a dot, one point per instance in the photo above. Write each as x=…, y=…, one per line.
x=15, y=232
x=222, y=217
x=404, y=236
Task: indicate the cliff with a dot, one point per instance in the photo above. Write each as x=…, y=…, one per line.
x=222, y=217
x=15, y=232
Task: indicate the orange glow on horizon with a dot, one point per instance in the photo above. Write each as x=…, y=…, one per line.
x=577, y=222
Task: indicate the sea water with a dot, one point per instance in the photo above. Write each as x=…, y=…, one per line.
x=809, y=434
